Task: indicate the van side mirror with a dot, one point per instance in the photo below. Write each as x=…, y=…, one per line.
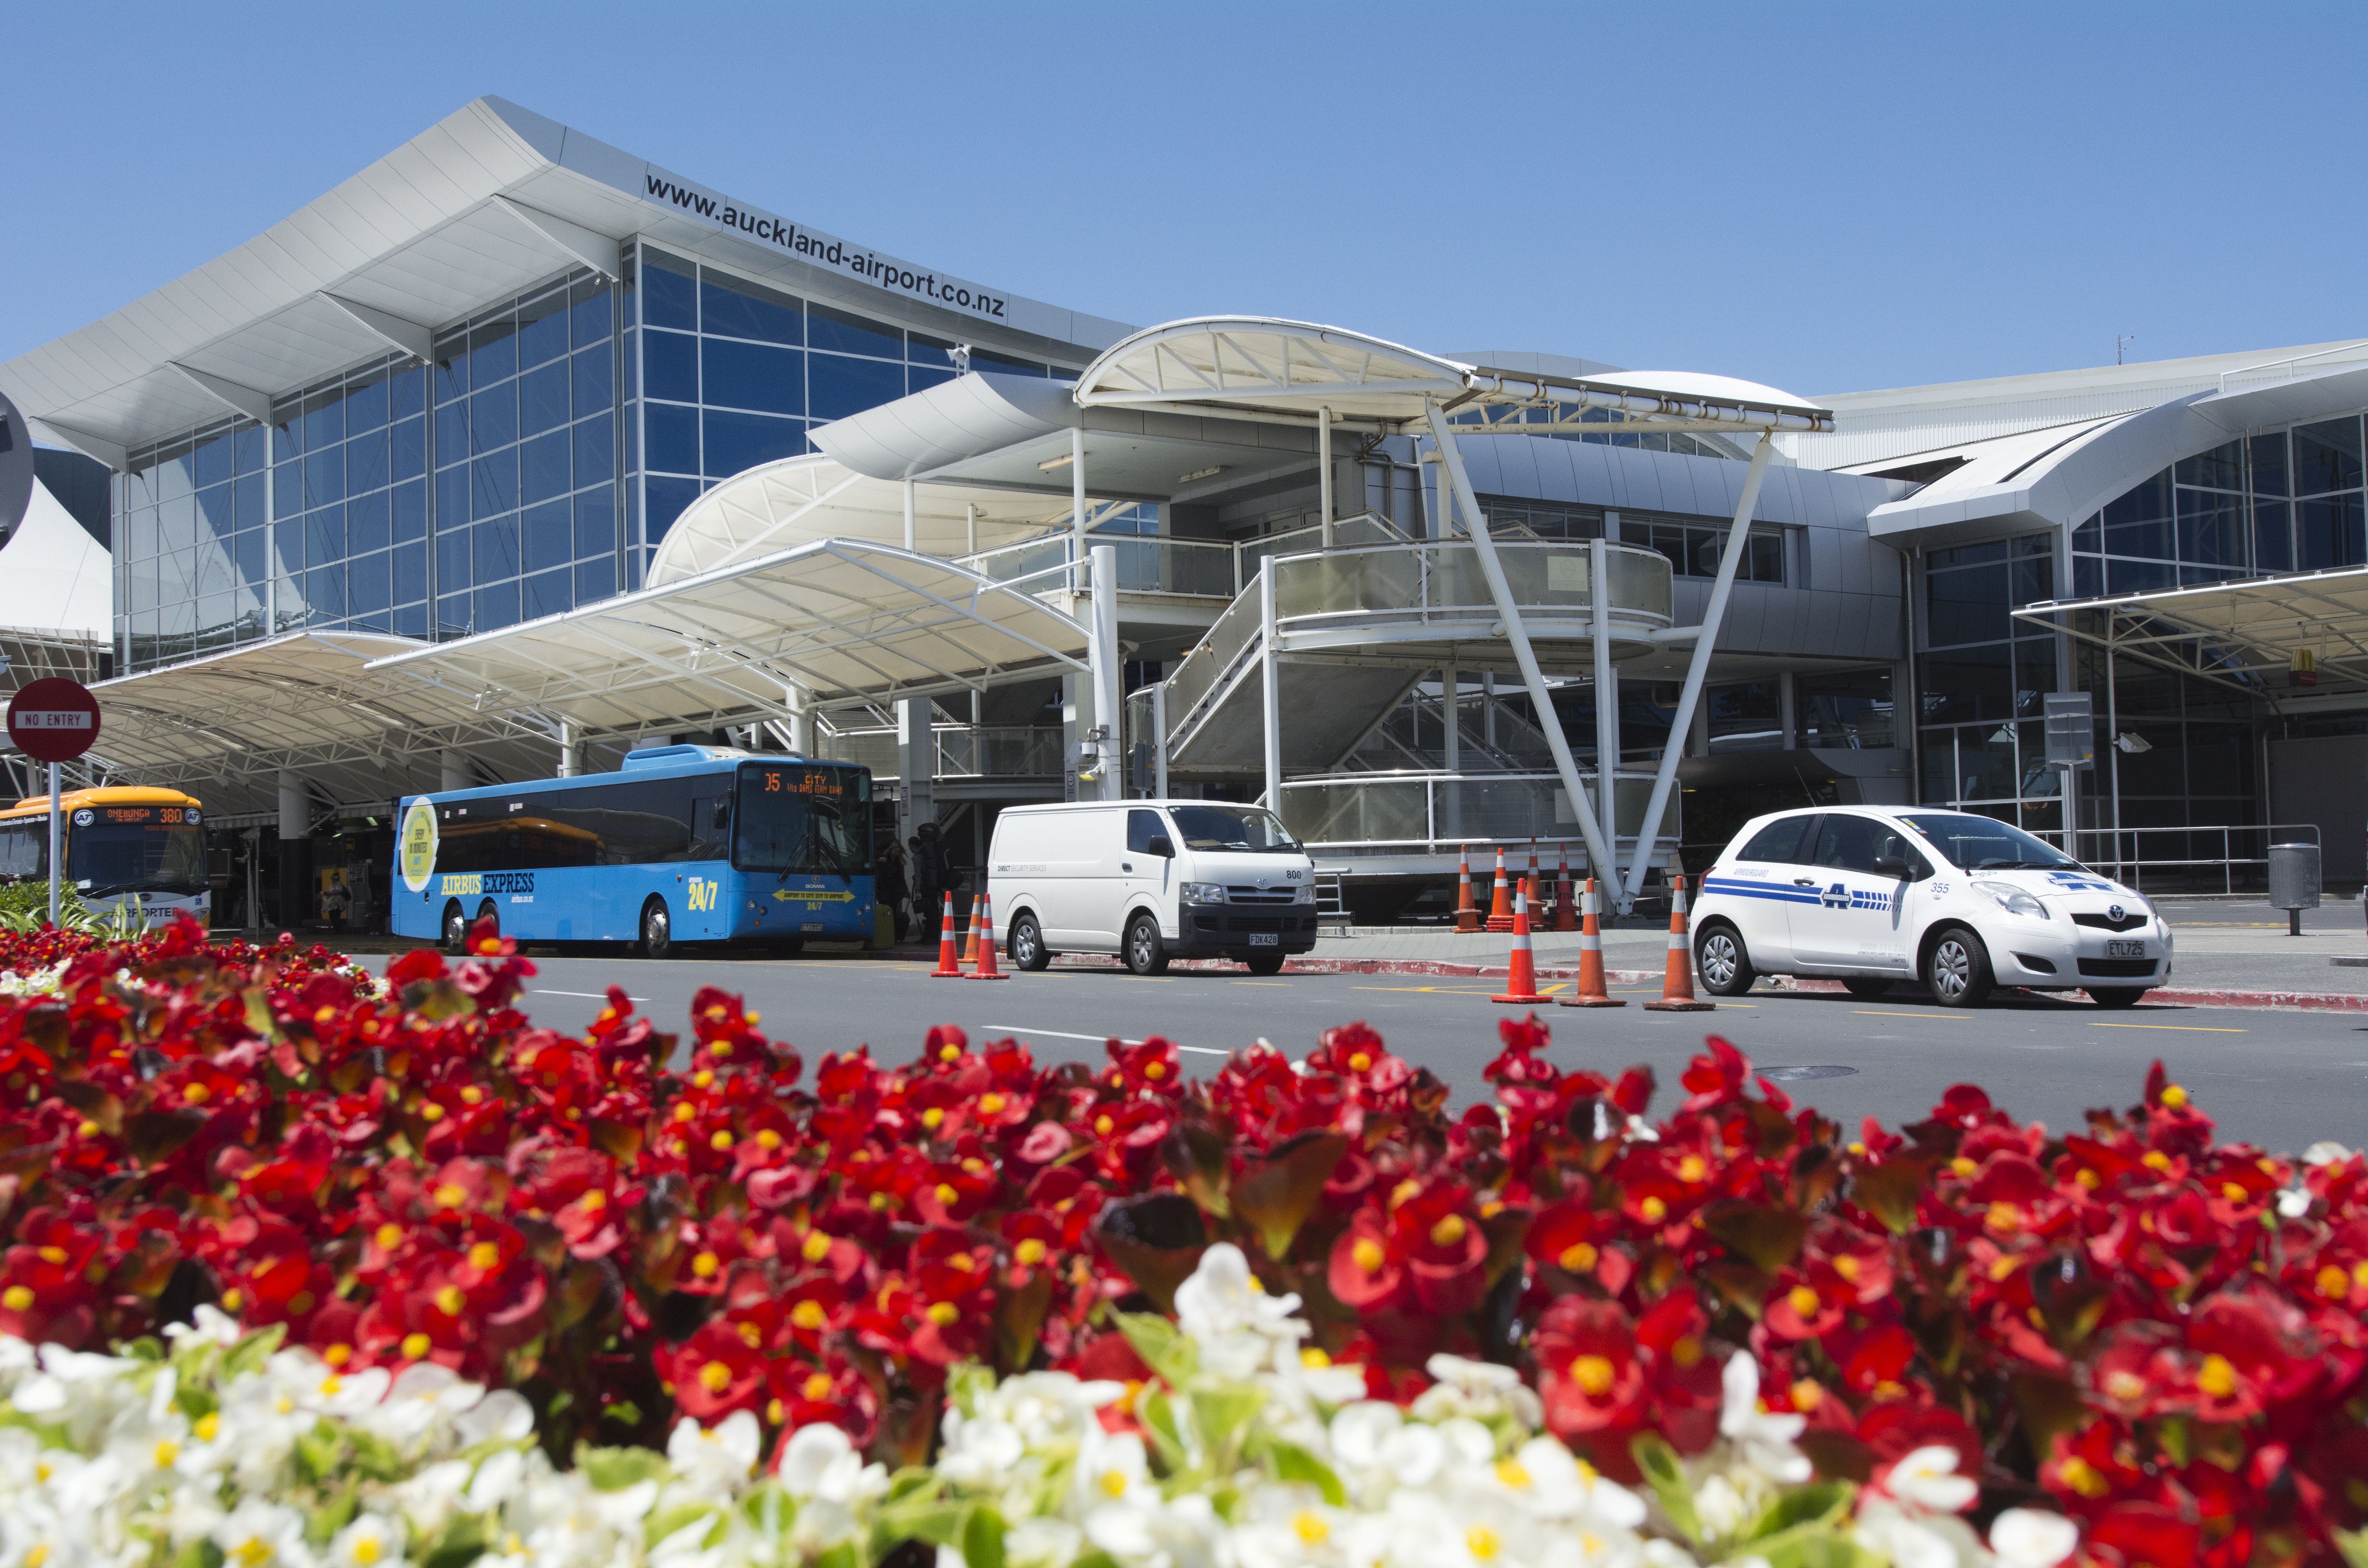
x=1161, y=845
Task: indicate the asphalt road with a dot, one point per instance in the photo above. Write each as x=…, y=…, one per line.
x=2280, y=1079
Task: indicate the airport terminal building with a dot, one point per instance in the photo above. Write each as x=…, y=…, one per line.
x=515, y=452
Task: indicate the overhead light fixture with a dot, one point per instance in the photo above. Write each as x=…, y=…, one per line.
x=2131, y=744
x=1209, y=472
x=1049, y=464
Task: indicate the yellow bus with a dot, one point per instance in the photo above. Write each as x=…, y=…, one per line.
x=143, y=850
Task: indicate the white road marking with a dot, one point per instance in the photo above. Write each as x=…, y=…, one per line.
x=1065, y=1034
x=594, y=995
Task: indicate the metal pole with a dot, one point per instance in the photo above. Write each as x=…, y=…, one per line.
x=1324, y=470
x=1607, y=691
x=1103, y=651
x=1268, y=688
x=1682, y=724
x=1476, y=527
x=910, y=531
x=970, y=527
x=1077, y=509
x=1159, y=740
x=57, y=854
x=568, y=766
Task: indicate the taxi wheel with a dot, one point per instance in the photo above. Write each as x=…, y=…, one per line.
x=1722, y=961
x=2116, y=995
x=1957, y=969
x=456, y=929
x=657, y=929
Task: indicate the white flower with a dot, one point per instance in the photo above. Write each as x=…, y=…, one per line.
x=1927, y=1478
x=2324, y=1152
x=498, y=1478
x=429, y=1498
x=1238, y=1326
x=258, y=1534
x=211, y=1325
x=2026, y=1538
x=1042, y=1544
x=820, y=1467
x=1922, y=1540
x=374, y=1541
x=1479, y=1389
x=1112, y=1469
x=713, y=1464
x=1762, y=1441
x=503, y=1415
x=979, y=1451
x=1543, y=1479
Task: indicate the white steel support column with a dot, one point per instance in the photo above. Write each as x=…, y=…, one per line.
x=1324, y=472
x=1270, y=689
x=970, y=528
x=911, y=533
x=1077, y=509
x=1607, y=690
x=1450, y=684
x=570, y=759
x=296, y=807
x=1682, y=724
x=1475, y=526
x=1102, y=659
x=452, y=772
x=1159, y=740
x=916, y=763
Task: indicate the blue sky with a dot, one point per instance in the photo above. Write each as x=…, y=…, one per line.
x=1825, y=197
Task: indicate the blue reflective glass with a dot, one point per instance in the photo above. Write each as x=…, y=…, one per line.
x=595, y=449
x=751, y=375
x=666, y=499
x=549, y=536
x=2140, y=576
x=2143, y=502
x=405, y=390
x=366, y=404
x=590, y=370
x=450, y=371
x=595, y=580
x=410, y=509
x=2327, y=456
x=142, y=534
x=739, y=442
x=840, y=387
x=286, y=441
x=493, y=418
x=673, y=436
x=828, y=328
x=935, y=352
x=325, y=535
x=250, y=553
x=211, y=462
x=544, y=467
x=498, y=607
x=2147, y=539
x=454, y=615
x=409, y=620
x=409, y=442
x=2090, y=534
x=366, y=462
x=451, y=434
x=2273, y=541
x=325, y=592
x=921, y=376
x=2327, y=531
x=324, y=419
x=2211, y=527
x=368, y=584
x=325, y=475
x=542, y=399
x=494, y=484
x=595, y=522
x=630, y=364
x=288, y=489
x=452, y=496
x=247, y=450
x=494, y=548
x=452, y=560
x=410, y=573
x=1000, y=363
x=734, y=309
x=670, y=366
x=552, y=593
x=668, y=298
x=172, y=476
x=288, y=545
x=367, y=523
x=492, y=353
x=590, y=314
x=542, y=329
x=215, y=514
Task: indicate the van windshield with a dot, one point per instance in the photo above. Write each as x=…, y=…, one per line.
x=1232, y=827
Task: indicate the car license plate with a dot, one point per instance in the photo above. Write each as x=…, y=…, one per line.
x=2125, y=950
x=1265, y=939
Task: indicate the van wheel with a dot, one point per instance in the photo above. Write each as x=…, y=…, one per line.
x=1027, y=944
x=2116, y=995
x=657, y=929
x=1146, y=953
x=1265, y=963
x=1721, y=960
x=1957, y=970
x=1867, y=987
x=456, y=929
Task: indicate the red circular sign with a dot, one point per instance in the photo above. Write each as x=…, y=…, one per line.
x=54, y=720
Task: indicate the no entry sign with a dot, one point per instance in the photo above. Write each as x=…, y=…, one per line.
x=54, y=720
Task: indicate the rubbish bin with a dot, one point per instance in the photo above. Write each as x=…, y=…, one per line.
x=2294, y=881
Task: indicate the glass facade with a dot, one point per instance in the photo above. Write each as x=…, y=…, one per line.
x=1985, y=676
x=503, y=480
x=1693, y=544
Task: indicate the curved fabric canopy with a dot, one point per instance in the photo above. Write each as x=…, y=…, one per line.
x=800, y=501
x=1268, y=364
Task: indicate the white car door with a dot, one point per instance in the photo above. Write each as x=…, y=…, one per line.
x=1757, y=888
x=1858, y=922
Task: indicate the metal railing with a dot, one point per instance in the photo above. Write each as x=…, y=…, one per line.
x=1185, y=568
x=1384, y=814
x=2183, y=860
x=964, y=751
x=1414, y=582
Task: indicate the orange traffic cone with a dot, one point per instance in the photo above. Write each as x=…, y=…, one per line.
x=1564, y=911
x=970, y=948
x=1591, y=992
x=1467, y=917
x=1500, y=908
x=949, y=966
x=1521, y=982
x=987, y=970
x=1678, y=983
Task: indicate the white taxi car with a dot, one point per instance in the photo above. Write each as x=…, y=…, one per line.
x=1875, y=895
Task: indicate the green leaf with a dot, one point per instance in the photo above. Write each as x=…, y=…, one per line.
x=911, y=1479
x=1667, y=1476
x=970, y=1384
x=466, y=1539
x=331, y=1516
x=1162, y=1347
x=1294, y=1463
x=2353, y=1544
x=1278, y=1196
x=843, y=1555
x=982, y=1538
x=1820, y=1505
x=1158, y=1414
x=318, y=1451
x=249, y=1354
x=666, y=1523
x=1219, y=1415
x=613, y=1469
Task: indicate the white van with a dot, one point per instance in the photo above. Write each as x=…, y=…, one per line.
x=1150, y=881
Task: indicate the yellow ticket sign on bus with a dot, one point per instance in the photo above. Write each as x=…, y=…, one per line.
x=418, y=846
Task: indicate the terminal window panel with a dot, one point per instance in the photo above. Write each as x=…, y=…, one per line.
x=1983, y=678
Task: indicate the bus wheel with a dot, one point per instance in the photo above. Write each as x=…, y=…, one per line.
x=488, y=910
x=456, y=929
x=657, y=929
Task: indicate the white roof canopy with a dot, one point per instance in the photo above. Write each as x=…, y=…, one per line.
x=832, y=622
x=2245, y=633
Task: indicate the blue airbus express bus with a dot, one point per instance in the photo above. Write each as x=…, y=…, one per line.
x=683, y=844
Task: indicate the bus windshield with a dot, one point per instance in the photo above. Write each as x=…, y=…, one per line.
x=127, y=857
x=799, y=818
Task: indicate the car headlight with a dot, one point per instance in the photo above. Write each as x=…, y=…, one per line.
x=2012, y=899
x=1202, y=893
